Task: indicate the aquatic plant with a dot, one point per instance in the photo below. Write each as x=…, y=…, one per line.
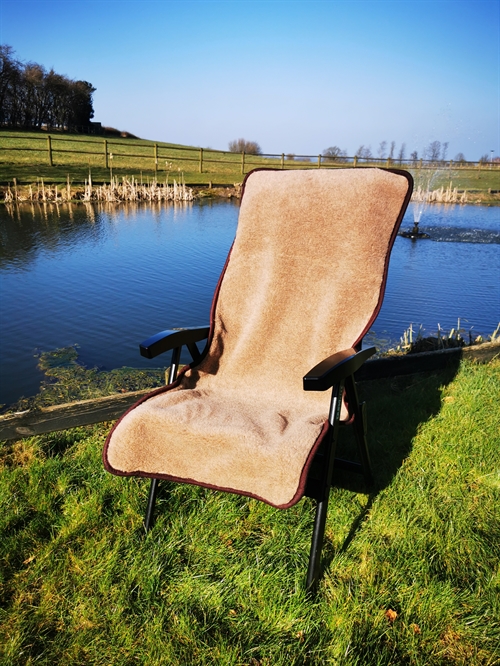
x=412, y=341
x=126, y=189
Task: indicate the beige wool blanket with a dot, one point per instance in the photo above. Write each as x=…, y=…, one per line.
x=305, y=279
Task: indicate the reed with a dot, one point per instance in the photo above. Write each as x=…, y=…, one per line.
x=440, y=195
x=413, y=341
x=126, y=189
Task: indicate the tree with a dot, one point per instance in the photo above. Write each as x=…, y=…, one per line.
x=402, y=152
x=10, y=77
x=32, y=97
x=392, y=149
x=460, y=157
x=244, y=146
x=334, y=153
x=381, y=149
x=414, y=156
x=444, y=150
x=364, y=152
x=433, y=151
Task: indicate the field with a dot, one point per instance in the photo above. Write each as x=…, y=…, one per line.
x=411, y=570
x=26, y=157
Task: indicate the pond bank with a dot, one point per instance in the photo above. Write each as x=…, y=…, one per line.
x=131, y=189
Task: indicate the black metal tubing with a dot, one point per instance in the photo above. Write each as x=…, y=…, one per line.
x=148, y=520
x=153, y=488
x=335, y=368
x=166, y=340
x=360, y=427
x=313, y=570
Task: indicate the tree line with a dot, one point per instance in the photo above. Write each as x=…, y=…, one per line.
x=32, y=97
x=435, y=151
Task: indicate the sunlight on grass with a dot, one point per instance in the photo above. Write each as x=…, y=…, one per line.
x=411, y=571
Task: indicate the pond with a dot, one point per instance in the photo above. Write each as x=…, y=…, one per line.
x=106, y=277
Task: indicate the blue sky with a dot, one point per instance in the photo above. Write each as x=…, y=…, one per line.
x=295, y=76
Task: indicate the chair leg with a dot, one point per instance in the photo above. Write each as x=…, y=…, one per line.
x=360, y=431
x=153, y=490
x=313, y=570
x=316, y=546
x=360, y=428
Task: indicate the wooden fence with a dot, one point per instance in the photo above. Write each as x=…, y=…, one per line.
x=49, y=147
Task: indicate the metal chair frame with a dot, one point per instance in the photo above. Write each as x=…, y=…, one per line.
x=335, y=373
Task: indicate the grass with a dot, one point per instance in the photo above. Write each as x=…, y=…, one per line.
x=173, y=160
x=219, y=167
x=411, y=571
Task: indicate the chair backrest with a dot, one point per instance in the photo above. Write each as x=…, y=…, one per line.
x=307, y=271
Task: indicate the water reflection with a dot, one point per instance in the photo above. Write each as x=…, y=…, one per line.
x=105, y=276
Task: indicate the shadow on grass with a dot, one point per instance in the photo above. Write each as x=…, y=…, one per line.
x=396, y=408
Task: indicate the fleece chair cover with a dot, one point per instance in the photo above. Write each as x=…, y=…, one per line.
x=304, y=279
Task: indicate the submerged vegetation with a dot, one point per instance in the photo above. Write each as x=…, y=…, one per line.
x=410, y=569
x=67, y=379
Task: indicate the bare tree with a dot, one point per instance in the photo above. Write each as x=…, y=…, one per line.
x=392, y=149
x=444, y=150
x=244, y=146
x=414, y=156
x=460, y=157
x=364, y=152
x=334, y=153
x=433, y=151
x=32, y=97
x=381, y=149
x=402, y=152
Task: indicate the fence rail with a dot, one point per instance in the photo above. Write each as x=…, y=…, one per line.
x=155, y=154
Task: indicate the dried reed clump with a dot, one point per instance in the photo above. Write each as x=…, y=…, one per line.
x=126, y=190
x=132, y=190
x=441, y=195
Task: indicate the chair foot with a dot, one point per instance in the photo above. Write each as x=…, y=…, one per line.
x=148, y=520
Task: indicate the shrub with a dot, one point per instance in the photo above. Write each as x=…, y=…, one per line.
x=244, y=146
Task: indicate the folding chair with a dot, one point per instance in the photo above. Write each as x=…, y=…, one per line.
x=302, y=285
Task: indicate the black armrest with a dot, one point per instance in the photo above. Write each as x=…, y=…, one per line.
x=334, y=368
x=162, y=342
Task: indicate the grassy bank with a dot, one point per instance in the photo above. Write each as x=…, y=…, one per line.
x=411, y=570
x=147, y=160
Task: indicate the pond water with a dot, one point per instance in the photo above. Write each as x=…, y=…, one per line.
x=106, y=277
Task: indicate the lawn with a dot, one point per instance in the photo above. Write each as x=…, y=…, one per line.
x=411, y=570
x=137, y=157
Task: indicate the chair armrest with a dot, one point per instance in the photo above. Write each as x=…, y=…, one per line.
x=171, y=339
x=335, y=368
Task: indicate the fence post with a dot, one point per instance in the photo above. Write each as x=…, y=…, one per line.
x=105, y=153
x=355, y=160
x=242, y=162
x=282, y=160
x=156, y=157
x=319, y=161
x=201, y=160
x=49, y=149
x=388, y=162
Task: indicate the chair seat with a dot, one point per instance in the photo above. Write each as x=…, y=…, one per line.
x=223, y=439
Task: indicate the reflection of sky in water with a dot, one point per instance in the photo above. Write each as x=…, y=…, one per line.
x=110, y=276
